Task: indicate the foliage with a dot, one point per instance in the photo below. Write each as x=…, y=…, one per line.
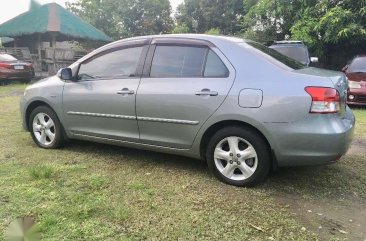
x=126, y=18
x=202, y=15
x=272, y=19
x=213, y=31
x=181, y=29
x=328, y=27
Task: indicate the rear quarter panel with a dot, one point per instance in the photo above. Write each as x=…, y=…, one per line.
x=284, y=96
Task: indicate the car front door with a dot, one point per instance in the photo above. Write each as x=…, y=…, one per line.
x=100, y=103
x=183, y=85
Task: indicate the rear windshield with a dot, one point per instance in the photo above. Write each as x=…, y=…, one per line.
x=7, y=57
x=357, y=65
x=294, y=64
x=298, y=53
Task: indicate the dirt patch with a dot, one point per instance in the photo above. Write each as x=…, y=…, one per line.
x=334, y=217
x=12, y=93
x=358, y=147
x=330, y=219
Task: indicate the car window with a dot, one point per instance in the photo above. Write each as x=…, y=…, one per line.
x=118, y=64
x=289, y=62
x=178, y=61
x=357, y=65
x=298, y=53
x=214, y=66
x=7, y=57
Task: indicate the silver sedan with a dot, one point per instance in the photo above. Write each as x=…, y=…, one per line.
x=236, y=104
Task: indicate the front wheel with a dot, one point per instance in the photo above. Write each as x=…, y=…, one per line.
x=45, y=128
x=238, y=156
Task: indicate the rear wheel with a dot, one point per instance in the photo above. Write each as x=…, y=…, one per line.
x=45, y=128
x=238, y=156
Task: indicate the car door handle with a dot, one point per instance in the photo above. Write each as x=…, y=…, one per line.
x=125, y=91
x=206, y=92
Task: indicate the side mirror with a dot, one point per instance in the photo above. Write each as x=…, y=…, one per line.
x=65, y=74
x=314, y=59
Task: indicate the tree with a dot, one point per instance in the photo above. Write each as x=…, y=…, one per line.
x=269, y=20
x=202, y=15
x=126, y=18
x=335, y=30
x=181, y=29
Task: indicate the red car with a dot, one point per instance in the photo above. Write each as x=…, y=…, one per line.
x=13, y=69
x=356, y=74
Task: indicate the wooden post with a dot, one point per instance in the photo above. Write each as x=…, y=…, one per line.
x=39, y=47
x=53, y=45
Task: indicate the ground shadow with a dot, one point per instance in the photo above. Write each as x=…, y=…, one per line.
x=161, y=160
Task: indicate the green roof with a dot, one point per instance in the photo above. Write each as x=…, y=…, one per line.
x=51, y=18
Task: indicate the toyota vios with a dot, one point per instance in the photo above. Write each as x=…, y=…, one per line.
x=236, y=104
x=356, y=73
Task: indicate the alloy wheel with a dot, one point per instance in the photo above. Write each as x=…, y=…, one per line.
x=44, y=129
x=235, y=158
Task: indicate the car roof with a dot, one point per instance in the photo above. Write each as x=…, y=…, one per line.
x=6, y=55
x=211, y=39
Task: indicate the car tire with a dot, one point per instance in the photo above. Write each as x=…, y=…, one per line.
x=238, y=156
x=45, y=128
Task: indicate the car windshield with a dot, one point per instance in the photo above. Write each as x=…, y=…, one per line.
x=7, y=57
x=294, y=64
x=298, y=53
x=357, y=65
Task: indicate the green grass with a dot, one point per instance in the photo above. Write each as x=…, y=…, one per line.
x=10, y=89
x=89, y=191
x=41, y=171
x=360, y=130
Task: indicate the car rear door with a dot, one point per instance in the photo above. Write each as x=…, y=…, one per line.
x=101, y=102
x=183, y=84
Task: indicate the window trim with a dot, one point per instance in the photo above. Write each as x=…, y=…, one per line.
x=155, y=44
x=204, y=69
x=140, y=63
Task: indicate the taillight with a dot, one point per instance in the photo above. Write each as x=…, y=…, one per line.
x=5, y=65
x=324, y=100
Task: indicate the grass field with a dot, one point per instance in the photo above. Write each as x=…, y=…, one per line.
x=88, y=191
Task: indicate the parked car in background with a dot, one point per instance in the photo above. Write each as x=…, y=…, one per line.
x=14, y=69
x=356, y=74
x=296, y=50
x=236, y=104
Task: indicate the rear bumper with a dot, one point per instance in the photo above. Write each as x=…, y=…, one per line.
x=317, y=140
x=15, y=75
x=356, y=103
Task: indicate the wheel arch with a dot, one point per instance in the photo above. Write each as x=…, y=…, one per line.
x=32, y=106
x=225, y=123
